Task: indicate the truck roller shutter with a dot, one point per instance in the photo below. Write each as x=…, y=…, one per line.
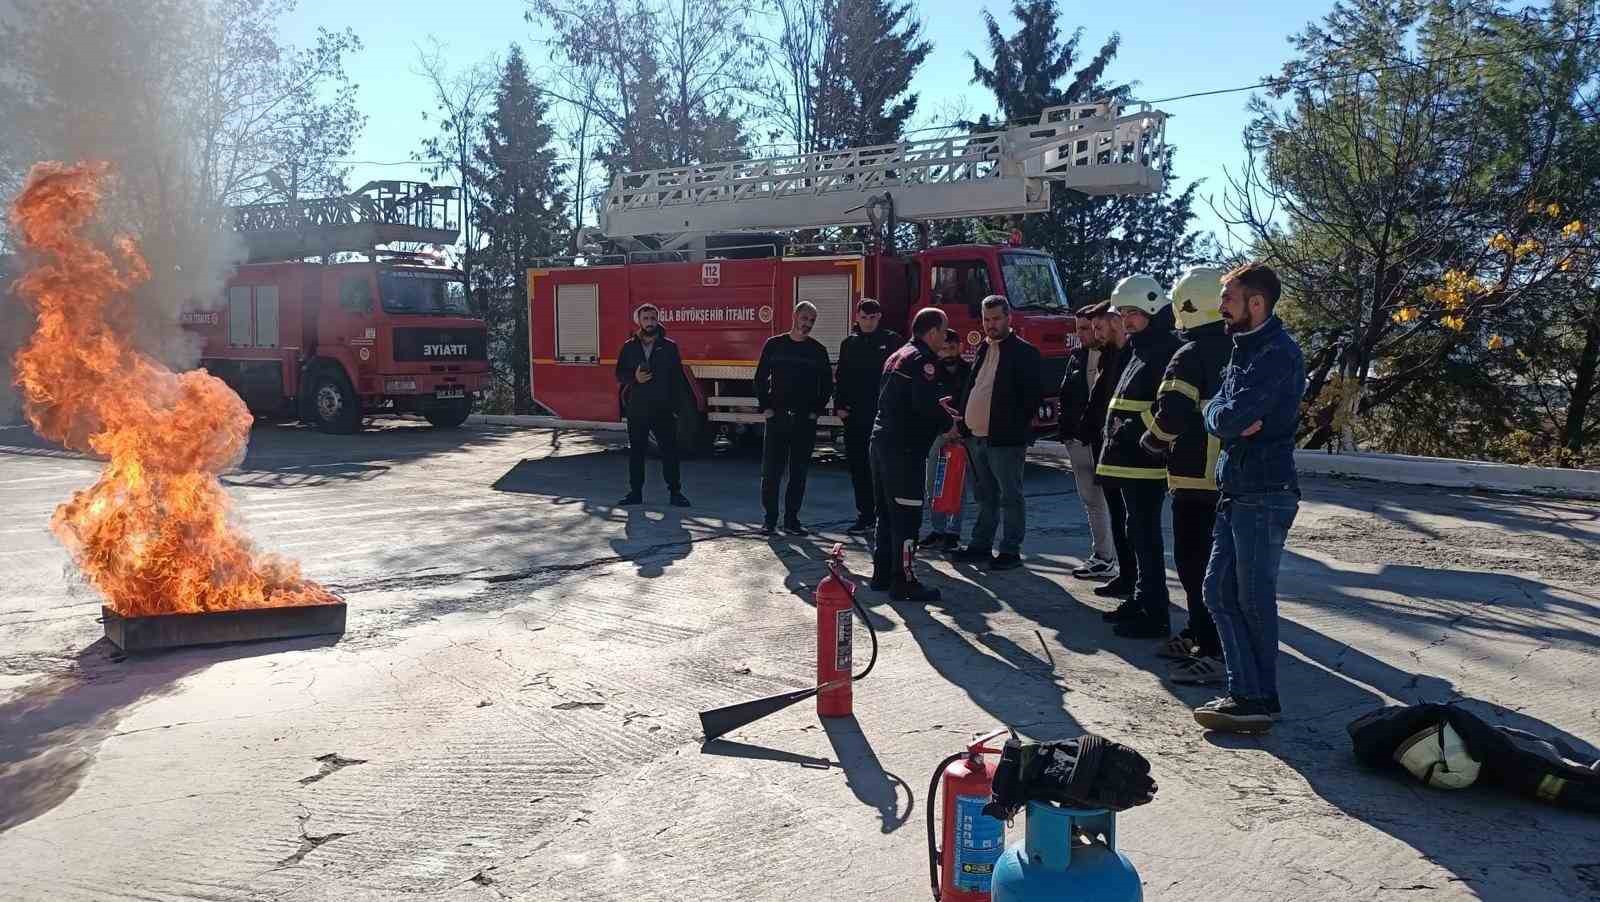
x=831, y=295
x=266, y=316
x=241, y=325
x=578, y=323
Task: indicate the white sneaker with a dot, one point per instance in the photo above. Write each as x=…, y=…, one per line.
x=1096, y=568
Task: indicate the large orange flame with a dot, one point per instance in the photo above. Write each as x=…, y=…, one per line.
x=154, y=533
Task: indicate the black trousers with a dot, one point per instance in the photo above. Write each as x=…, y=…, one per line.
x=1194, y=518
x=897, y=479
x=1127, y=565
x=857, y=436
x=790, y=438
x=664, y=426
x=1144, y=500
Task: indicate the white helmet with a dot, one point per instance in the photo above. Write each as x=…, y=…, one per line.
x=1195, y=296
x=1139, y=293
x=1438, y=757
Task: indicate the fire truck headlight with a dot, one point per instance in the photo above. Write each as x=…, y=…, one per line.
x=399, y=385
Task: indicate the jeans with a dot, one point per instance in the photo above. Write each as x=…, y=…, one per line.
x=790, y=438
x=950, y=523
x=996, y=475
x=1093, y=498
x=1194, y=519
x=857, y=436
x=665, y=428
x=1242, y=587
x=1144, y=499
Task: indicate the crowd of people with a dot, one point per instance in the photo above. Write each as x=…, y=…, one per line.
x=1192, y=395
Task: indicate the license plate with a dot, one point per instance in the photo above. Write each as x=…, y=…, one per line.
x=447, y=394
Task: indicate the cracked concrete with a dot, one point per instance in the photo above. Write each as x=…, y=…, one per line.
x=512, y=712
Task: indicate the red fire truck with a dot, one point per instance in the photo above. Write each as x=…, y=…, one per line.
x=331, y=342
x=706, y=244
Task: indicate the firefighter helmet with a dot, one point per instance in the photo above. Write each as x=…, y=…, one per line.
x=1439, y=757
x=1139, y=292
x=1195, y=296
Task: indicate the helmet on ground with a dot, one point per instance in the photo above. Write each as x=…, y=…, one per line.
x=1139, y=292
x=1438, y=757
x=1195, y=296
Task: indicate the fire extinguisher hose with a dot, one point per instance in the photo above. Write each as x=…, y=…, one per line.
x=933, y=845
x=873, y=659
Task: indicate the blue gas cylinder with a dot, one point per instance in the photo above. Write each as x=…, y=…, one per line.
x=1066, y=854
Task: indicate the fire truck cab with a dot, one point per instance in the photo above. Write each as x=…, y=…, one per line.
x=332, y=342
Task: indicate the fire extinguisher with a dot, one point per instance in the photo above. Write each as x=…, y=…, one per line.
x=961, y=867
x=836, y=600
x=950, y=478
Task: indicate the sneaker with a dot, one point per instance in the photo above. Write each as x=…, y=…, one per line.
x=678, y=500
x=631, y=499
x=1123, y=613
x=769, y=529
x=1095, y=568
x=794, y=528
x=1178, y=648
x=1235, y=715
x=1114, y=589
x=862, y=525
x=973, y=555
x=1198, y=671
x=1142, y=628
x=1006, y=561
x=914, y=591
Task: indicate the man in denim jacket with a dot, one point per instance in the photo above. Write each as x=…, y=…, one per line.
x=1255, y=413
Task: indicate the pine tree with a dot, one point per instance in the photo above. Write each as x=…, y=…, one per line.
x=871, y=53
x=520, y=214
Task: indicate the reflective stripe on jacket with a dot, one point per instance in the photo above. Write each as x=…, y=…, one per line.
x=1131, y=409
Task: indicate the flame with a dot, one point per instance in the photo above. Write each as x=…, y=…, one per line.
x=153, y=535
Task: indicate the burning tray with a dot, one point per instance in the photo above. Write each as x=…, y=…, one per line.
x=152, y=633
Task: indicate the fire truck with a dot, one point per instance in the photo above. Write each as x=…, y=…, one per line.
x=329, y=342
x=711, y=246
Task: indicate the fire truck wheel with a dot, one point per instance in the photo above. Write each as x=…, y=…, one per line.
x=334, y=405
x=448, y=414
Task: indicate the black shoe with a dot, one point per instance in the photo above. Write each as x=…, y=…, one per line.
x=1114, y=589
x=951, y=542
x=1143, y=628
x=914, y=591
x=631, y=499
x=932, y=540
x=769, y=529
x=1006, y=561
x=971, y=555
x=862, y=525
x=794, y=528
x=679, y=501
x=1095, y=568
x=880, y=583
x=1235, y=715
x=1123, y=613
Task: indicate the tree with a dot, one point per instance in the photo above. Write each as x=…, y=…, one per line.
x=459, y=98
x=805, y=29
x=520, y=211
x=870, y=52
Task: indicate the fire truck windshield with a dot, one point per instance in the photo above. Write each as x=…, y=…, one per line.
x=1031, y=280
x=410, y=291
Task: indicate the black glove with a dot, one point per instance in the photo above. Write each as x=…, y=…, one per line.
x=1088, y=772
x=1155, y=446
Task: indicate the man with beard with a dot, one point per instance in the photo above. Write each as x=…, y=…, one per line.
x=1114, y=352
x=946, y=528
x=793, y=384
x=651, y=375
x=1077, y=384
x=1256, y=414
x=1140, y=476
x=861, y=357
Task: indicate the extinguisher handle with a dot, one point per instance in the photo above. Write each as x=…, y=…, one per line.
x=978, y=745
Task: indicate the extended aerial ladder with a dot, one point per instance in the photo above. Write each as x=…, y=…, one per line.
x=377, y=213
x=1101, y=148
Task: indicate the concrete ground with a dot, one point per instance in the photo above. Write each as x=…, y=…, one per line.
x=512, y=713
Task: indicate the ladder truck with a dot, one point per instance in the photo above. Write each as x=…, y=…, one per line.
x=381, y=331
x=711, y=246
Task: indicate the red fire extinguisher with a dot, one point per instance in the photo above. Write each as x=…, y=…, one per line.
x=835, y=600
x=961, y=867
x=950, y=478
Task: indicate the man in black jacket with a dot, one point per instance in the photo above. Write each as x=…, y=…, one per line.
x=1114, y=353
x=1081, y=376
x=909, y=417
x=861, y=357
x=651, y=374
x=1139, y=475
x=997, y=410
x=793, y=383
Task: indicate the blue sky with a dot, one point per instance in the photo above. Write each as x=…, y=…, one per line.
x=1168, y=48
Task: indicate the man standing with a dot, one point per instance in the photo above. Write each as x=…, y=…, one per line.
x=651, y=374
x=1179, y=433
x=1082, y=373
x=953, y=372
x=1114, y=353
x=1002, y=396
x=1256, y=413
x=793, y=384
x=861, y=357
x=909, y=417
x=1139, y=475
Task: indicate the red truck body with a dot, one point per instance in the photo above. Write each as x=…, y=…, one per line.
x=721, y=311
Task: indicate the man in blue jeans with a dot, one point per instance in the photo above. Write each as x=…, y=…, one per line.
x=1255, y=414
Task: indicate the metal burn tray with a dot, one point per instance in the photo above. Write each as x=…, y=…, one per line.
x=162, y=631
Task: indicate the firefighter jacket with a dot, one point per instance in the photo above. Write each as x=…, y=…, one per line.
x=1192, y=378
x=1130, y=410
x=665, y=390
x=794, y=376
x=861, y=357
x=909, y=414
x=1074, y=395
x=1264, y=379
